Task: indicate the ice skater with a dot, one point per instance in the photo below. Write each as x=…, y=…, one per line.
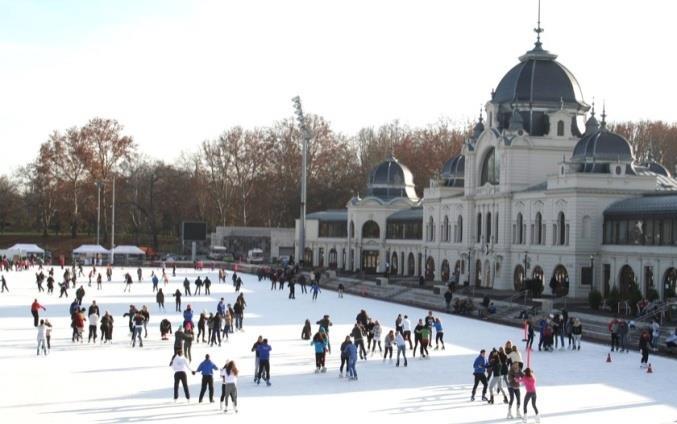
x=35, y=311
x=42, y=337
x=351, y=353
x=207, y=368
x=181, y=370
x=4, y=284
x=264, y=362
x=529, y=381
x=479, y=368
x=229, y=385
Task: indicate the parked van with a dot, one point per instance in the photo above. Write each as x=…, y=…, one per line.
x=255, y=256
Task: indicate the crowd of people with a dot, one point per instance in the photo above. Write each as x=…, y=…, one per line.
x=502, y=371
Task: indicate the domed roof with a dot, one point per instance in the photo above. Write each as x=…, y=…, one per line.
x=391, y=179
x=657, y=168
x=601, y=147
x=539, y=79
x=453, y=171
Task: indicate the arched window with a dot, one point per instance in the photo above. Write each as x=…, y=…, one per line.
x=490, y=168
x=560, y=128
x=538, y=228
x=370, y=229
x=561, y=229
x=519, y=232
x=445, y=229
x=459, y=231
x=518, y=278
x=488, y=225
x=479, y=227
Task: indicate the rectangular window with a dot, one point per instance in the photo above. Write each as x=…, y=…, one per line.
x=607, y=232
x=566, y=235
x=648, y=234
x=532, y=234
x=657, y=232
x=667, y=232
x=586, y=276
x=623, y=232
x=554, y=234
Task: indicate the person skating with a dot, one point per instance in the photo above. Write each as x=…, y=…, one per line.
x=48, y=334
x=401, y=349
x=325, y=323
x=93, y=325
x=479, y=368
x=198, y=286
x=155, y=282
x=128, y=283
x=78, y=319
x=188, y=316
x=181, y=370
x=93, y=308
x=63, y=289
x=216, y=330
x=613, y=329
x=238, y=310
x=417, y=336
x=406, y=330
x=319, y=342
x=139, y=273
x=4, y=284
x=238, y=284
x=35, y=311
x=207, y=368
x=201, y=325
x=645, y=346
x=577, y=333
x=186, y=287
x=188, y=343
x=514, y=375
x=424, y=338
x=160, y=299
x=130, y=315
x=138, y=321
x=179, y=338
x=529, y=381
x=50, y=285
x=264, y=362
x=254, y=349
x=623, y=330
x=376, y=338
x=389, y=341
x=146, y=320
x=496, y=365
x=107, y=328
x=307, y=330
x=177, y=300
x=514, y=356
x=315, y=289
x=358, y=336
x=351, y=353
x=165, y=328
x=98, y=282
x=42, y=337
x=439, y=333
x=207, y=283
x=341, y=290
x=344, y=355
x=229, y=375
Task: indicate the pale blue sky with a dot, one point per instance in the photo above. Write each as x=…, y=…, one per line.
x=178, y=72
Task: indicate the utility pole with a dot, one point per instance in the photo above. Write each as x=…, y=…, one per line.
x=98, y=211
x=112, y=232
x=305, y=134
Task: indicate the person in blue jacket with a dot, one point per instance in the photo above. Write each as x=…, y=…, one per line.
x=263, y=351
x=351, y=353
x=320, y=344
x=479, y=368
x=188, y=316
x=207, y=368
x=155, y=281
x=315, y=289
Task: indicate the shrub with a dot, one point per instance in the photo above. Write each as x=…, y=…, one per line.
x=634, y=295
x=651, y=295
x=613, y=298
x=594, y=299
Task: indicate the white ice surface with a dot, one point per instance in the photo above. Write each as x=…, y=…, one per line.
x=117, y=384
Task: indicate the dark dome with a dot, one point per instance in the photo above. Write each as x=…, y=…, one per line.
x=657, y=168
x=539, y=79
x=391, y=179
x=599, y=148
x=453, y=172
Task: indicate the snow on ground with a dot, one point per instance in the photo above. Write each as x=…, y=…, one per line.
x=118, y=384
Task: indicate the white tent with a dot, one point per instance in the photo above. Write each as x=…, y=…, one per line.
x=128, y=255
x=128, y=250
x=91, y=254
x=21, y=249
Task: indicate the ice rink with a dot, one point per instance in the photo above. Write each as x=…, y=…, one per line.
x=86, y=383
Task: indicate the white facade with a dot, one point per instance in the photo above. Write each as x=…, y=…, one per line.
x=533, y=188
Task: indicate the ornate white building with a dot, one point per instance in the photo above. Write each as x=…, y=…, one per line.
x=541, y=189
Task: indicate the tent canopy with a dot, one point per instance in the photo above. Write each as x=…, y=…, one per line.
x=26, y=248
x=86, y=249
x=128, y=250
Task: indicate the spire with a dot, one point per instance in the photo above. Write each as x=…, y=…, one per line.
x=591, y=125
x=481, y=118
x=538, y=30
x=603, y=123
x=479, y=126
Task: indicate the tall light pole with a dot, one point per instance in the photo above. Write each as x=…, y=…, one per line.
x=305, y=134
x=98, y=210
x=112, y=228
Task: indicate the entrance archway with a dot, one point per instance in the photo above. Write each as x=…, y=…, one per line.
x=457, y=271
x=308, y=257
x=393, y=264
x=430, y=269
x=537, y=273
x=669, y=283
x=627, y=280
x=370, y=261
x=411, y=265
x=445, y=270
x=478, y=273
x=333, y=258
x=518, y=278
x=559, y=283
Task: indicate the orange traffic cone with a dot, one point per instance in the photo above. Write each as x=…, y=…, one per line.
x=608, y=357
x=649, y=370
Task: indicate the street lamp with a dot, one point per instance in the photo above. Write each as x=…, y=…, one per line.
x=305, y=134
x=98, y=184
x=592, y=271
x=526, y=267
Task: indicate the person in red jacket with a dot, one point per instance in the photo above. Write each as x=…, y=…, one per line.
x=35, y=308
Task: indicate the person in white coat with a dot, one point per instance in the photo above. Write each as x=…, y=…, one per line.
x=229, y=385
x=406, y=329
x=42, y=337
x=401, y=349
x=181, y=370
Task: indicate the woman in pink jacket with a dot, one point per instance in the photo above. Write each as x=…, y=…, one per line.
x=529, y=381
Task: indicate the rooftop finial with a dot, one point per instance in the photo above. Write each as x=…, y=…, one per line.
x=603, y=114
x=593, y=107
x=538, y=30
x=481, y=118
